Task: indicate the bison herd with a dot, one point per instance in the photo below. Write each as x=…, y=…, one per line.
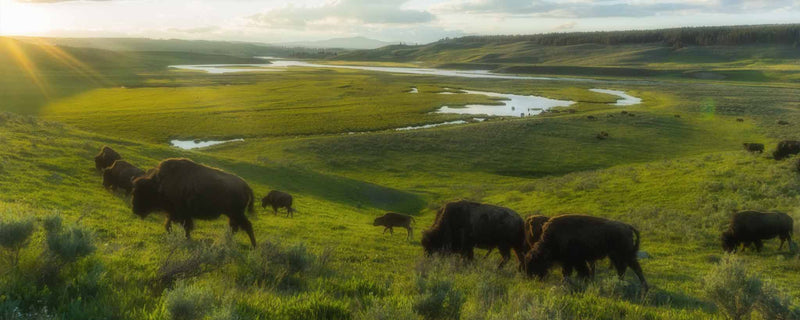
x=186, y=190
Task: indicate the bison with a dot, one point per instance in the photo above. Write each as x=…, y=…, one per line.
x=750, y=227
x=278, y=199
x=739, y=120
x=754, y=147
x=591, y=117
x=577, y=241
x=105, y=158
x=120, y=175
x=391, y=219
x=533, y=229
x=187, y=190
x=782, y=122
x=677, y=116
x=463, y=225
x=786, y=148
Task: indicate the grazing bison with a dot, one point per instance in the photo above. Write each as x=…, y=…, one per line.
x=739, y=120
x=677, y=116
x=120, y=175
x=623, y=112
x=463, y=225
x=391, y=219
x=782, y=122
x=533, y=229
x=754, y=147
x=105, y=158
x=591, y=117
x=186, y=190
x=750, y=227
x=278, y=199
x=786, y=148
x=602, y=135
x=577, y=241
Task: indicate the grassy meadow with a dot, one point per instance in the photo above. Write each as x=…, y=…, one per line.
x=675, y=170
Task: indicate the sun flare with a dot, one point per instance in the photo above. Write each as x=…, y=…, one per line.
x=22, y=19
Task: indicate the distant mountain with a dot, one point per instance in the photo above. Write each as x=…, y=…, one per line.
x=341, y=43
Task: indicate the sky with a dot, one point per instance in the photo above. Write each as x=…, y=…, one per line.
x=409, y=21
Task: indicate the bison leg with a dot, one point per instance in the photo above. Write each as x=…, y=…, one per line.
x=168, y=225
x=759, y=245
x=488, y=252
x=248, y=227
x=505, y=252
x=634, y=264
x=234, y=225
x=583, y=269
x=391, y=231
x=188, y=226
x=275, y=210
x=566, y=270
x=786, y=237
x=409, y=232
x=384, y=229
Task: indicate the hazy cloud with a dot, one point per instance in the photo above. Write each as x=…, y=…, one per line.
x=606, y=8
x=55, y=1
x=566, y=26
x=342, y=12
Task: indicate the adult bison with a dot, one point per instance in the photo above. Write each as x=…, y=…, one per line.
x=463, y=225
x=786, y=148
x=120, y=175
x=750, y=227
x=186, y=190
x=391, y=219
x=105, y=158
x=533, y=229
x=577, y=241
x=278, y=199
x=754, y=147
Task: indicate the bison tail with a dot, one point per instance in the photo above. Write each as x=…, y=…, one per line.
x=638, y=238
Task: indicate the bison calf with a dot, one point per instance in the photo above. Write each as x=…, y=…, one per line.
x=577, y=241
x=750, y=227
x=105, y=158
x=186, y=190
x=391, y=219
x=120, y=175
x=754, y=147
x=278, y=199
x=462, y=226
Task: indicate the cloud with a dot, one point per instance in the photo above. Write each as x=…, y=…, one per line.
x=208, y=29
x=566, y=26
x=343, y=12
x=55, y=1
x=607, y=8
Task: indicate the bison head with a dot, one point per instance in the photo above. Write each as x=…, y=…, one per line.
x=536, y=264
x=432, y=242
x=145, y=197
x=378, y=221
x=728, y=241
x=264, y=202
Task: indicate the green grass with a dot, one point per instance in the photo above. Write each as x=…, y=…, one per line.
x=675, y=179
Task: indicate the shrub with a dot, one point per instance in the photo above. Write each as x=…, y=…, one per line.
x=272, y=265
x=14, y=235
x=389, y=309
x=52, y=223
x=438, y=299
x=732, y=288
x=70, y=245
x=187, y=301
x=773, y=305
x=186, y=260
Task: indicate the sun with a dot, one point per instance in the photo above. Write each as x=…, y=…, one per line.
x=22, y=19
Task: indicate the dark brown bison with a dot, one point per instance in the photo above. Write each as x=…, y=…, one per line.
x=391, y=219
x=591, y=117
x=754, y=147
x=782, y=122
x=463, y=225
x=739, y=120
x=677, y=116
x=105, y=158
x=186, y=190
x=577, y=241
x=602, y=135
x=786, y=148
x=278, y=199
x=750, y=227
x=120, y=175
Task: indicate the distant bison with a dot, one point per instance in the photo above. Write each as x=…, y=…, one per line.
x=677, y=116
x=786, y=148
x=739, y=120
x=391, y=219
x=754, y=147
x=186, y=190
x=120, y=175
x=577, y=241
x=463, y=225
x=591, y=117
x=278, y=199
x=105, y=158
x=750, y=227
x=782, y=122
x=602, y=135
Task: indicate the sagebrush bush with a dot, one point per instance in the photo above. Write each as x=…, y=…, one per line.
x=14, y=235
x=187, y=301
x=273, y=265
x=71, y=244
x=732, y=288
x=393, y=308
x=438, y=299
